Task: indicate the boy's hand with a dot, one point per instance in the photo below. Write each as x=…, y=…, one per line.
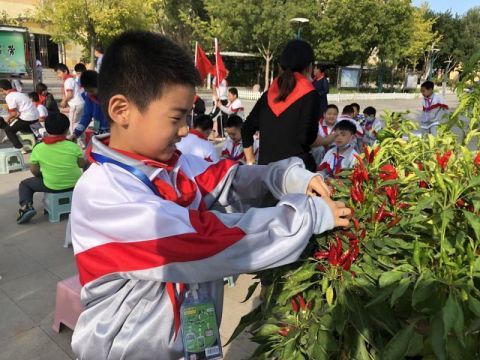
x=318, y=187
x=341, y=213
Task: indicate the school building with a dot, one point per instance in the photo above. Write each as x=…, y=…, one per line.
x=49, y=52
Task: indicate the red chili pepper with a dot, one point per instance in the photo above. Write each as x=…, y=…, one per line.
x=403, y=205
x=357, y=193
x=380, y=213
x=367, y=153
x=392, y=193
x=284, y=332
x=335, y=252
x=423, y=184
x=301, y=302
x=294, y=305
x=363, y=234
x=388, y=172
x=420, y=165
x=476, y=161
x=310, y=306
x=394, y=222
x=388, y=214
x=356, y=223
x=320, y=268
x=460, y=203
x=442, y=160
x=319, y=255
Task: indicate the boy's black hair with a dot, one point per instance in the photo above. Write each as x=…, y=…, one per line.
x=429, y=85
x=332, y=106
x=348, y=110
x=355, y=105
x=233, y=91
x=203, y=122
x=370, y=110
x=347, y=126
x=57, y=123
x=321, y=67
x=140, y=65
x=234, y=121
x=5, y=84
x=99, y=48
x=41, y=87
x=34, y=96
x=89, y=79
x=62, y=68
x=80, y=67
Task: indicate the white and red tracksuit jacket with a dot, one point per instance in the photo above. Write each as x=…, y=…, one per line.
x=233, y=108
x=130, y=244
x=433, y=111
x=333, y=162
x=196, y=143
x=234, y=150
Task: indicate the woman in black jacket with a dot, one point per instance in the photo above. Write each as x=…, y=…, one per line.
x=287, y=114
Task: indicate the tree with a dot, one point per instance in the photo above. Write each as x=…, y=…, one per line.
x=423, y=35
x=92, y=22
x=262, y=25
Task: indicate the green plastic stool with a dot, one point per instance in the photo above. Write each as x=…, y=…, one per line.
x=28, y=140
x=56, y=204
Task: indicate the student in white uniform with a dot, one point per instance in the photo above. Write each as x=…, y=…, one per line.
x=196, y=142
x=342, y=155
x=433, y=109
x=21, y=109
x=71, y=95
x=234, y=105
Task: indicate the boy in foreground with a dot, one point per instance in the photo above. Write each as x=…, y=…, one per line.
x=144, y=236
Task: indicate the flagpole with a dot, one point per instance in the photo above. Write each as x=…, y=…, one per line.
x=217, y=78
x=196, y=62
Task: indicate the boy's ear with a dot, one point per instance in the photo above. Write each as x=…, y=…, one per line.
x=119, y=109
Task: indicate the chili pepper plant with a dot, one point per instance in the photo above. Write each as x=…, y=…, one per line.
x=404, y=280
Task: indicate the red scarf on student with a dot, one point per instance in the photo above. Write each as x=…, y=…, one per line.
x=302, y=88
x=52, y=139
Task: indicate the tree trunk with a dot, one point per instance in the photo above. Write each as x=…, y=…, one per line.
x=92, y=52
x=267, y=58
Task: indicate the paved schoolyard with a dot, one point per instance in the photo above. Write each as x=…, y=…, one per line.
x=33, y=260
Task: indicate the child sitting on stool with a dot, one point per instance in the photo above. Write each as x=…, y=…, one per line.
x=55, y=164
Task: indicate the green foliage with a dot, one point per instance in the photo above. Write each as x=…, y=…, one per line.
x=412, y=288
x=92, y=21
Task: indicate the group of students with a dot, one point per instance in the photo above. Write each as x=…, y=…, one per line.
x=55, y=161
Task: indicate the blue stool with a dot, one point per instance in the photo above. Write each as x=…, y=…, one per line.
x=56, y=204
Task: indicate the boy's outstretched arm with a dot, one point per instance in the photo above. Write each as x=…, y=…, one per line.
x=138, y=236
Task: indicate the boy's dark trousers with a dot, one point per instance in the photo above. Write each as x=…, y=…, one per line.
x=11, y=131
x=29, y=186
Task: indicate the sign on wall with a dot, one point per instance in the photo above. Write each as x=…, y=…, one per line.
x=349, y=77
x=12, y=52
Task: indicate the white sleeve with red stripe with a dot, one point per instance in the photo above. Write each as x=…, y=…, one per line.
x=119, y=226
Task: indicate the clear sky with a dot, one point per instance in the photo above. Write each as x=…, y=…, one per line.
x=456, y=6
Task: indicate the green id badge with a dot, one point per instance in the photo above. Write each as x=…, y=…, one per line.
x=200, y=333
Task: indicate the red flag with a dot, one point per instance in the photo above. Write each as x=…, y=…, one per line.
x=202, y=63
x=220, y=69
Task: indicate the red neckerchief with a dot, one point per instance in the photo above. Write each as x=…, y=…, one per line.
x=52, y=139
x=198, y=133
x=429, y=107
x=195, y=99
x=302, y=88
x=94, y=99
x=42, y=99
x=324, y=127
